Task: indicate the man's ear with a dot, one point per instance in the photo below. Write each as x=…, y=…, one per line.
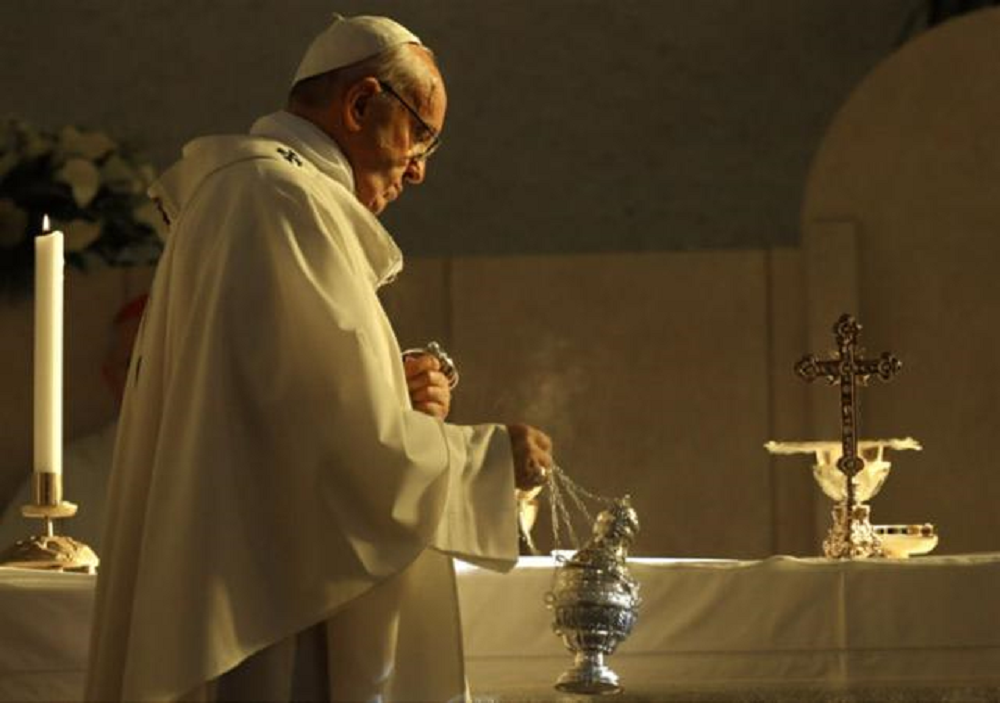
x=357, y=102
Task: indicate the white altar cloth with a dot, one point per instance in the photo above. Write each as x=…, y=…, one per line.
x=44, y=634
x=917, y=629
x=707, y=630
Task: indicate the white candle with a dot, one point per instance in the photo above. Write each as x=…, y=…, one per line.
x=48, y=351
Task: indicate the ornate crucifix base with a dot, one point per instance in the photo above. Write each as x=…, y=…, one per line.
x=852, y=536
x=848, y=369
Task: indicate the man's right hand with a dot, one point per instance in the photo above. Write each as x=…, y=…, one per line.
x=532, y=451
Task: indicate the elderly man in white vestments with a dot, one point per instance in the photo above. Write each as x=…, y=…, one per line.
x=287, y=498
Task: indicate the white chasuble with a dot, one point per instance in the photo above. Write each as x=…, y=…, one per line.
x=269, y=470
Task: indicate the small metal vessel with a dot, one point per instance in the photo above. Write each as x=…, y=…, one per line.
x=596, y=601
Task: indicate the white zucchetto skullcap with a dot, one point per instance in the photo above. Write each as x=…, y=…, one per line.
x=350, y=40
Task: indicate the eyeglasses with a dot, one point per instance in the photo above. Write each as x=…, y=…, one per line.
x=434, y=140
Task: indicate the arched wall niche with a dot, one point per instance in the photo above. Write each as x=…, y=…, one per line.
x=900, y=222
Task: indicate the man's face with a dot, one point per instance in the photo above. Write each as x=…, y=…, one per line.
x=389, y=155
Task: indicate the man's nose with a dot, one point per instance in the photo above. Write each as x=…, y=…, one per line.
x=415, y=170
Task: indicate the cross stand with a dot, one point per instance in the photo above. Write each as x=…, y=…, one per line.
x=855, y=538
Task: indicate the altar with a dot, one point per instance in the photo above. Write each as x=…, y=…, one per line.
x=781, y=628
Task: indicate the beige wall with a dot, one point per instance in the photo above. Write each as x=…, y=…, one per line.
x=658, y=375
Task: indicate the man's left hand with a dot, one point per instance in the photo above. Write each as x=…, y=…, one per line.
x=429, y=391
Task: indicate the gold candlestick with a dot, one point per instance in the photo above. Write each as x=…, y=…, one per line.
x=49, y=551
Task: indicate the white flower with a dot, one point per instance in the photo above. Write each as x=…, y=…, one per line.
x=13, y=223
x=89, y=145
x=120, y=176
x=149, y=214
x=79, y=234
x=84, y=179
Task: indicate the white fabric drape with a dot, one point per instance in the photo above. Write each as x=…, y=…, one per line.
x=269, y=469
